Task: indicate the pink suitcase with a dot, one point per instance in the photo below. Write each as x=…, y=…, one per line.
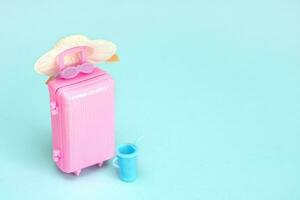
x=82, y=119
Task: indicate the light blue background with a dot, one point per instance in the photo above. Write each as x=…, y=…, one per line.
x=212, y=86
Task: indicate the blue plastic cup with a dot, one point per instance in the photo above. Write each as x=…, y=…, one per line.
x=126, y=162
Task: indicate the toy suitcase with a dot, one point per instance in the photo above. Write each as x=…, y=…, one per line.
x=82, y=119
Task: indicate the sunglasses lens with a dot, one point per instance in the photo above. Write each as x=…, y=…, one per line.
x=69, y=72
x=87, y=68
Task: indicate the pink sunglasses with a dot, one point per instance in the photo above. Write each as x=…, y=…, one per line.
x=73, y=71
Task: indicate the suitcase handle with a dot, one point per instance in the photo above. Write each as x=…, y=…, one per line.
x=80, y=49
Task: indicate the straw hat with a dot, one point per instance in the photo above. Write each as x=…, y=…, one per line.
x=98, y=51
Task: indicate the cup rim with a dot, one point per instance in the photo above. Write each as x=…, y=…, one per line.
x=123, y=155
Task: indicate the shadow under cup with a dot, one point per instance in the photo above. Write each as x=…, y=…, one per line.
x=126, y=162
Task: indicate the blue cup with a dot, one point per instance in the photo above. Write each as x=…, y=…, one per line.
x=126, y=162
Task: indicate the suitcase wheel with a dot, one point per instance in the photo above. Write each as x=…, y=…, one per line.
x=77, y=173
x=100, y=164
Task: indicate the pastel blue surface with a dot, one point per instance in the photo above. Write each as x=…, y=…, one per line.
x=212, y=86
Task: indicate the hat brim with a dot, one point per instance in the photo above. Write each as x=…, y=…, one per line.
x=98, y=51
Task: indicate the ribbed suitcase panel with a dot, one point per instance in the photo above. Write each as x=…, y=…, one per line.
x=87, y=122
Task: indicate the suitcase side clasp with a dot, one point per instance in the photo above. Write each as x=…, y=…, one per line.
x=56, y=155
x=53, y=108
